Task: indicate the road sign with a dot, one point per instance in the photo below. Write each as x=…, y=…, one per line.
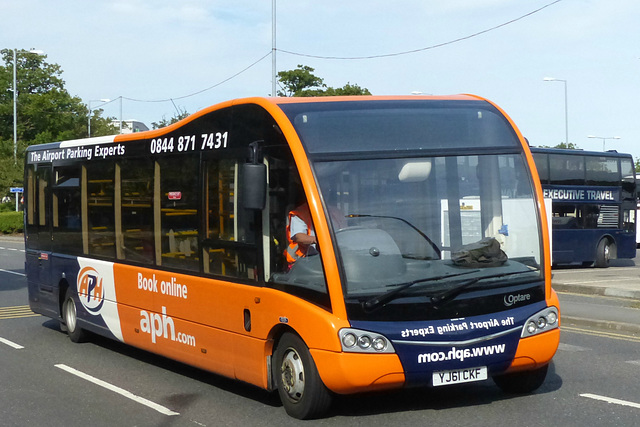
x=17, y=190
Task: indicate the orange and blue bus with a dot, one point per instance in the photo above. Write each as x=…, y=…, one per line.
x=431, y=254
x=594, y=198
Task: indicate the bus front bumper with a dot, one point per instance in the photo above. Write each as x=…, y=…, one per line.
x=347, y=373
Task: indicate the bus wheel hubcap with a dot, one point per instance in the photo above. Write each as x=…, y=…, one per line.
x=292, y=372
x=70, y=315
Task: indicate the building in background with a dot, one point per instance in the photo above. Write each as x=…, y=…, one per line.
x=130, y=126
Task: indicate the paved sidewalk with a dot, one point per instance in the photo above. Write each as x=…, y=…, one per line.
x=12, y=238
x=620, y=289
x=612, y=319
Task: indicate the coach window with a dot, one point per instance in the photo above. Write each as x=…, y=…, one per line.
x=135, y=231
x=178, y=212
x=100, y=217
x=67, y=230
x=602, y=171
x=628, y=179
x=542, y=166
x=566, y=169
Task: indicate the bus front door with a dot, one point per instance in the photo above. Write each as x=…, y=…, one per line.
x=38, y=245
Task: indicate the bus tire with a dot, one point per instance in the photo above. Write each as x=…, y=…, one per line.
x=70, y=318
x=521, y=382
x=603, y=253
x=301, y=390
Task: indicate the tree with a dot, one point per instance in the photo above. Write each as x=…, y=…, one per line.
x=296, y=81
x=46, y=111
x=164, y=122
x=346, y=90
x=569, y=146
x=302, y=82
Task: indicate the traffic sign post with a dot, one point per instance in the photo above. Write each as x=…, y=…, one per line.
x=17, y=191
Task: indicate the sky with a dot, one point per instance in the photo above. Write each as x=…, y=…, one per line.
x=157, y=57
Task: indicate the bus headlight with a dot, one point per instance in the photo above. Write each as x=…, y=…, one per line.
x=364, y=342
x=540, y=322
x=349, y=340
x=379, y=344
x=358, y=341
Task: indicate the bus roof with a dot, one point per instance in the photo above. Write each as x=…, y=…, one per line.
x=578, y=152
x=268, y=103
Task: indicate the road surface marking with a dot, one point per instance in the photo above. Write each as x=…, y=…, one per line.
x=11, y=249
x=569, y=347
x=163, y=410
x=16, y=312
x=611, y=400
x=582, y=282
x=11, y=343
x=12, y=272
x=601, y=334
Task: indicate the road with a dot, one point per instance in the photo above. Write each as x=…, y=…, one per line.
x=48, y=380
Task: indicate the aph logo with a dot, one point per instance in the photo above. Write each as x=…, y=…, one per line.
x=90, y=290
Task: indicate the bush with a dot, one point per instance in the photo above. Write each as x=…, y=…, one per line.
x=11, y=222
x=8, y=206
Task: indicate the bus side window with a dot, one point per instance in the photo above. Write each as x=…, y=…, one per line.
x=38, y=201
x=229, y=247
x=627, y=170
x=66, y=206
x=100, y=197
x=135, y=216
x=178, y=209
x=305, y=277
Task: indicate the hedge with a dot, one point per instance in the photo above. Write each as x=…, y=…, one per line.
x=11, y=222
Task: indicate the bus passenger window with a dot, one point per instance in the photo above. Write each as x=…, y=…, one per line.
x=136, y=211
x=229, y=247
x=100, y=195
x=67, y=231
x=178, y=212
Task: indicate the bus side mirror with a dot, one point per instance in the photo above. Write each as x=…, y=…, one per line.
x=254, y=179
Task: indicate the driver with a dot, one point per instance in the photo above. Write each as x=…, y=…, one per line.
x=300, y=234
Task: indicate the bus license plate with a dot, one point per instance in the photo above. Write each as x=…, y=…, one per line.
x=457, y=376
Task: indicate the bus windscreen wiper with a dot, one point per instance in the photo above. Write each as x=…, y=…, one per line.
x=377, y=301
x=446, y=296
x=420, y=232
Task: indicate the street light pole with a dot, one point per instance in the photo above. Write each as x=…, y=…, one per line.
x=15, y=107
x=89, y=121
x=566, y=107
x=603, y=138
x=273, y=48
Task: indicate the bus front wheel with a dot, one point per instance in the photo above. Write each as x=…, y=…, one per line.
x=70, y=318
x=522, y=382
x=603, y=254
x=301, y=390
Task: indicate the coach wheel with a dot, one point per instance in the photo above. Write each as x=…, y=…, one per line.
x=69, y=315
x=603, y=254
x=301, y=390
x=522, y=382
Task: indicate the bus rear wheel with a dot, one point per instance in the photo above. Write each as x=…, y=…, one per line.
x=301, y=390
x=603, y=254
x=70, y=318
x=522, y=382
